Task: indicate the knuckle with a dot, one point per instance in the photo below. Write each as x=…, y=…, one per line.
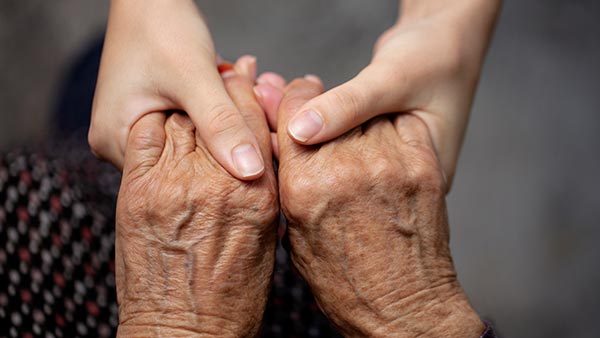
x=224, y=120
x=251, y=204
x=305, y=196
x=424, y=175
x=297, y=197
x=350, y=101
x=146, y=139
x=381, y=169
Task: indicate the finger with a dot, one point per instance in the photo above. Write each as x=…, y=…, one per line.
x=295, y=96
x=420, y=151
x=240, y=89
x=272, y=79
x=222, y=128
x=180, y=135
x=145, y=143
x=246, y=66
x=412, y=131
x=225, y=68
x=269, y=98
x=275, y=145
x=347, y=106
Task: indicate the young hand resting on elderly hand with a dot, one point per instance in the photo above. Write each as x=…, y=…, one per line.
x=368, y=229
x=195, y=246
x=159, y=56
x=367, y=226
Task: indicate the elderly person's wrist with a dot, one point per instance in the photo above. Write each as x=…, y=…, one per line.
x=160, y=293
x=180, y=324
x=439, y=312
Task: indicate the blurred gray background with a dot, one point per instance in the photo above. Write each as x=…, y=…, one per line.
x=525, y=207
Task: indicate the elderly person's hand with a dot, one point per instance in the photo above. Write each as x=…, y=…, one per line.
x=368, y=228
x=194, y=245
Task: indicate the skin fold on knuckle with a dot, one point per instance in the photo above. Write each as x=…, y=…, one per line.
x=252, y=203
x=348, y=104
x=224, y=120
x=308, y=194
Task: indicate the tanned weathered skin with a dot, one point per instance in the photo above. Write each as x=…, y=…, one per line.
x=194, y=245
x=368, y=227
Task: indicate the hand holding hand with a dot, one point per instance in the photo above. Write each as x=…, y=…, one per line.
x=427, y=65
x=368, y=227
x=159, y=56
x=194, y=246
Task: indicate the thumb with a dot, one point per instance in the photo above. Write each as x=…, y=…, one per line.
x=222, y=127
x=347, y=106
x=145, y=143
x=295, y=96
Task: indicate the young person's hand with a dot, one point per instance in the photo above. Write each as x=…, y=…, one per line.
x=159, y=56
x=427, y=64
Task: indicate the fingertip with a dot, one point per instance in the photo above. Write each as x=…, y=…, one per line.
x=248, y=161
x=275, y=145
x=246, y=66
x=314, y=79
x=272, y=79
x=146, y=141
x=269, y=99
x=305, y=126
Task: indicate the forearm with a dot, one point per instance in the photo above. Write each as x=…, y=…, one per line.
x=443, y=312
x=422, y=8
x=468, y=23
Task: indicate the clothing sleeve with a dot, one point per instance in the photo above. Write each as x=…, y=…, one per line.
x=489, y=331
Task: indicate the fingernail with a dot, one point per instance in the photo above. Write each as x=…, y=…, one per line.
x=272, y=79
x=246, y=65
x=247, y=160
x=227, y=74
x=226, y=70
x=250, y=67
x=258, y=93
x=305, y=125
x=225, y=67
x=313, y=78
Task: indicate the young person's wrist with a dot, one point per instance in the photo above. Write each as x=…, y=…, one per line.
x=484, y=10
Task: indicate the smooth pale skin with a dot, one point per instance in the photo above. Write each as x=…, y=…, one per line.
x=195, y=246
x=158, y=55
x=368, y=227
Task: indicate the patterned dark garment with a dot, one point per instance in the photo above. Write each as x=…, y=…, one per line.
x=57, y=253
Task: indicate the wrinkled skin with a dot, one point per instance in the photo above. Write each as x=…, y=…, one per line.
x=195, y=246
x=368, y=228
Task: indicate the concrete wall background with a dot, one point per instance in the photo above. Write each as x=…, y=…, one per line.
x=525, y=212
